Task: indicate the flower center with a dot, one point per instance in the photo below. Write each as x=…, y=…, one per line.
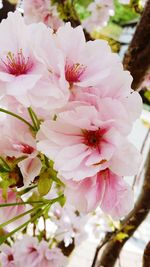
x=92, y=138
x=24, y=148
x=10, y=257
x=73, y=72
x=32, y=250
x=17, y=64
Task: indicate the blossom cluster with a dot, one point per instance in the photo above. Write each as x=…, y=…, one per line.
x=84, y=110
x=42, y=10
x=29, y=252
x=70, y=225
x=100, y=12
x=45, y=11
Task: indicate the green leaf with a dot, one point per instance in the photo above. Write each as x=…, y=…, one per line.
x=147, y=95
x=62, y=200
x=124, y=14
x=44, y=183
x=82, y=11
x=84, y=3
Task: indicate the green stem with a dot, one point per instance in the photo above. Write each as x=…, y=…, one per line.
x=38, y=214
x=26, y=190
x=16, y=116
x=20, y=203
x=45, y=201
x=31, y=220
x=18, y=217
x=5, y=164
x=34, y=119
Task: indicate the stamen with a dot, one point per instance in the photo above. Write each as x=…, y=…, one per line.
x=73, y=72
x=17, y=64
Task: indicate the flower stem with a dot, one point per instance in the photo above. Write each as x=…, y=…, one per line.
x=36, y=216
x=17, y=116
x=6, y=166
x=34, y=119
x=20, y=203
x=43, y=208
x=18, y=217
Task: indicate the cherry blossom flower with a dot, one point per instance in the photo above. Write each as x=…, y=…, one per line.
x=13, y=105
x=129, y=105
x=70, y=224
x=16, y=141
x=51, y=257
x=42, y=11
x=100, y=10
x=19, y=70
x=81, y=67
x=85, y=108
x=22, y=74
x=81, y=144
x=27, y=252
x=7, y=256
x=106, y=189
x=99, y=224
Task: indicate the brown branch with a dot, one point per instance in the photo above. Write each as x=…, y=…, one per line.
x=137, y=58
x=5, y=9
x=146, y=256
x=66, y=250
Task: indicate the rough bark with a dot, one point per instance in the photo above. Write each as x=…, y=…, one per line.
x=137, y=58
x=146, y=256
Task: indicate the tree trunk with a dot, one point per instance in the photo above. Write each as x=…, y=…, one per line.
x=137, y=58
x=146, y=256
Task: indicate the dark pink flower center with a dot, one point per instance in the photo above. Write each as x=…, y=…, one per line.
x=73, y=72
x=17, y=64
x=92, y=138
x=24, y=148
x=10, y=257
x=32, y=250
